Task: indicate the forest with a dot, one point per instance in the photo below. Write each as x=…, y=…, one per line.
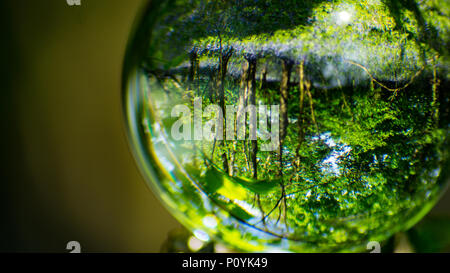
x=362, y=89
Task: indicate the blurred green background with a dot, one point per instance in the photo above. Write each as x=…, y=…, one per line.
x=67, y=172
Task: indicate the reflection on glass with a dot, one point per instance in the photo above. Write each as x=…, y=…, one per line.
x=347, y=141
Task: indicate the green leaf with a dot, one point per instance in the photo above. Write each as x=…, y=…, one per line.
x=255, y=186
x=258, y=186
x=213, y=180
x=235, y=210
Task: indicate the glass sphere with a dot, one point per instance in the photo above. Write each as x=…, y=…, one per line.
x=297, y=126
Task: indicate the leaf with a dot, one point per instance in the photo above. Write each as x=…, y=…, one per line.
x=213, y=180
x=235, y=210
x=232, y=190
x=216, y=182
x=258, y=186
x=240, y=212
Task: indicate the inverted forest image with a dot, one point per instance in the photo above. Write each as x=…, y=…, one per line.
x=299, y=126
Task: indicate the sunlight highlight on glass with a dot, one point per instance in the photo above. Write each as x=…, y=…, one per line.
x=277, y=126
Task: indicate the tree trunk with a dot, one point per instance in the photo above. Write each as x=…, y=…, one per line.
x=435, y=97
x=193, y=68
x=285, y=78
x=311, y=105
x=223, y=66
x=225, y=162
x=286, y=73
x=263, y=85
x=300, y=122
x=241, y=105
x=251, y=87
x=192, y=73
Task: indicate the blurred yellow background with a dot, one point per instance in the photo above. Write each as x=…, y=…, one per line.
x=77, y=179
x=68, y=171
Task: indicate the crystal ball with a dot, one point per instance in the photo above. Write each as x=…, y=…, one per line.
x=291, y=126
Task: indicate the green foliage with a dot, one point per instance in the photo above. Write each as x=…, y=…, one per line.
x=365, y=148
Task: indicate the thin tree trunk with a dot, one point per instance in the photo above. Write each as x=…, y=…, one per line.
x=243, y=91
x=300, y=122
x=193, y=69
x=251, y=87
x=435, y=96
x=192, y=74
x=311, y=105
x=225, y=162
x=263, y=85
x=286, y=73
x=223, y=67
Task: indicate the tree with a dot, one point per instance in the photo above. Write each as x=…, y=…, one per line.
x=363, y=117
